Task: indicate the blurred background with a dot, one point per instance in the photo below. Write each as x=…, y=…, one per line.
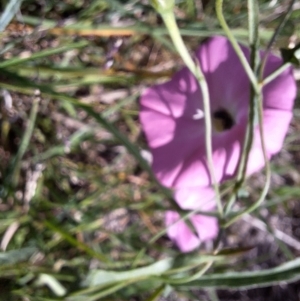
x=78, y=207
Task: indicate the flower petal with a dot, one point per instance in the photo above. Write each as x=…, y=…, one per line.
x=281, y=92
x=170, y=98
x=192, y=198
x=181, y=234
x=227, y=81
x=276, y=124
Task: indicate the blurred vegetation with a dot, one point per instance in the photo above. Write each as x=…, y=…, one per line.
x=81, y=216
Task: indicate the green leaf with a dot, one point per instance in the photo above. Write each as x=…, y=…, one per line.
x=287, y=272
x=181, y=263
x=102, y=277
x=15, y=256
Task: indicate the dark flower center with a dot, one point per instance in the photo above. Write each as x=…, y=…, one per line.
x=222, y=120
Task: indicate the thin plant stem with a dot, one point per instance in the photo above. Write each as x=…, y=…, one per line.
x=254, y=96
x=262, y=82
x=253, y=24
x=171, y=25
x=235, y=45
x=25, y=140
x=157, y=293
x=267, y=169
x=274, y=37
x=232, y=200
x=195, y=276
x=274, y=74
x=279, y=235
x=170, y=22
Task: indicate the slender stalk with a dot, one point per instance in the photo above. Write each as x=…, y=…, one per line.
x=157, y=293
x=274, y=74
x=195, y=276
x=275, y=35
x=263, y=82
x=170, y=22
x=232, y=199
x=25, y=140
x=253, y=23
x=255, y=93
x=235, y=45
x=171, y=25
x=268, y=172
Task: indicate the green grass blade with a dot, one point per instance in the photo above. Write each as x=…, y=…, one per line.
x=57, y=229
x=288, y=272
x=192, y=31
x=43, y=54
x=13, y=177
x=10, y=10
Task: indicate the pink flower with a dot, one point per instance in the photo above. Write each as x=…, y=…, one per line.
x=191, y=198
x=171, y=119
